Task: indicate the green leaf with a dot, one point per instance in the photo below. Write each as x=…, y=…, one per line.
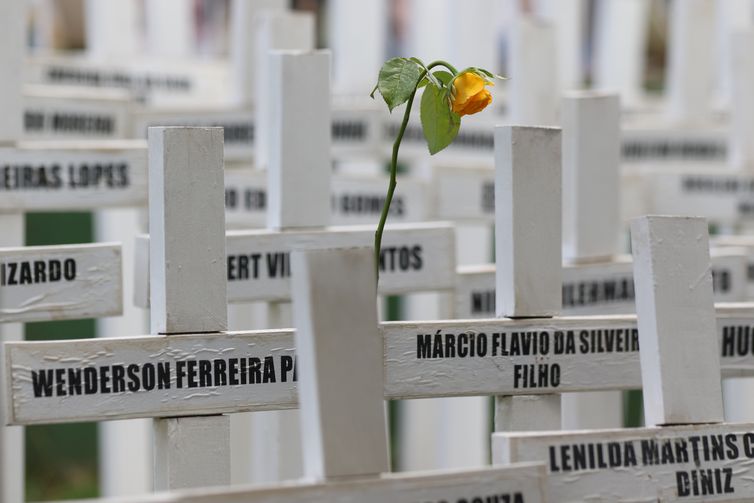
x=443, y=76
x=423, y=82
x=398, y=79
x=371, y=95
x=490, y=74
x=439, y=122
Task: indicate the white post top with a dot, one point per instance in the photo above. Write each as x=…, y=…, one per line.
x=12, y=56
x=170, y=28
x=591, y=175
x=680, y=366
x=340, y=361
x=741, y=146
x=187, y=230
x=103, y=20
x=243, y=55
x=620, y=42
x=528, y=221
x=691, y=69
x=299, y=135
x=292, y=31
x=534, y=67
x=355, y=65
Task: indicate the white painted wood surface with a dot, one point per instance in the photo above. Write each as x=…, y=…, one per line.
x=464, y=193
x=187, y=270
x=125, y=447
x=12, y=446
x=12, y=55
x=650, y=144
x=238, y=124
x=527, y=413
x=191, y=452
x=43, y=175
x=672, y=274
x=103, y=21
x=570, y=20
x=354, y=199
x=642, y=464
x=696, y=462
x=620, y=40
x=591, y=175
x=340, y=356
x=723, y=196
x=40, y=283
x=357, y=128
x=242, y=48
x=742, y=102
x=605, y=287
x=188, y=286
x=275, y=31
x=590, y=353
x=295, y=194
x=534, y=92
x=75, y=113
x=527, y=220
x=355, y=65
x=731, y=16
x=163, y=82
x=169, y=28
x=521, y=483
x=591, y=219
x=416, y=257
x=691, y=64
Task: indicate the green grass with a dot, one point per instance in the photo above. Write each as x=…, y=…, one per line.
x=61, y=460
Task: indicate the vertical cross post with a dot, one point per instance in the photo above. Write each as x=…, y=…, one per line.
x=12, y=54
x=243, y=54
x=691, y=68
x=591, y=219
x=188, y=286
x=676, y=319
x=741, y=148
x=340, y=358
x=621, y=38
x=275, y=31
x=534, y=92
x=528, y=249
x=298, y=140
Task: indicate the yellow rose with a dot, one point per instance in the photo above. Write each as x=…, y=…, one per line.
x=468, y=94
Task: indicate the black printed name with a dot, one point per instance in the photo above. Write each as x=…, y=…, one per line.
x=109, y=175
x=32, y=272
x=189, y=373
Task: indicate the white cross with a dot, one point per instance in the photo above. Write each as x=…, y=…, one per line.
x=686, y=452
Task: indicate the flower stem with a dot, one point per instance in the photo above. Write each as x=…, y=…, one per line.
x=393, y=183
x=394, y=166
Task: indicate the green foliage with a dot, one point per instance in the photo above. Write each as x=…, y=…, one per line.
x=398, y=80
x=61, y=460
x=439, y=123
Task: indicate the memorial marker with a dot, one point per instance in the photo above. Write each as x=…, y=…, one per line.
x=51, y=113
x=57, y=175
x=157, y=80
x=354, y=199
x=343, y=430
x=687, y=451
x=415, y=257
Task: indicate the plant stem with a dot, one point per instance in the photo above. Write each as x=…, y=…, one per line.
x=391, y=186
x=394, y=167
x=443, y=63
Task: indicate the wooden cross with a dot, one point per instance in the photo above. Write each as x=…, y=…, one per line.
x=343, y=410
x=257, y=370
x=687, y=452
